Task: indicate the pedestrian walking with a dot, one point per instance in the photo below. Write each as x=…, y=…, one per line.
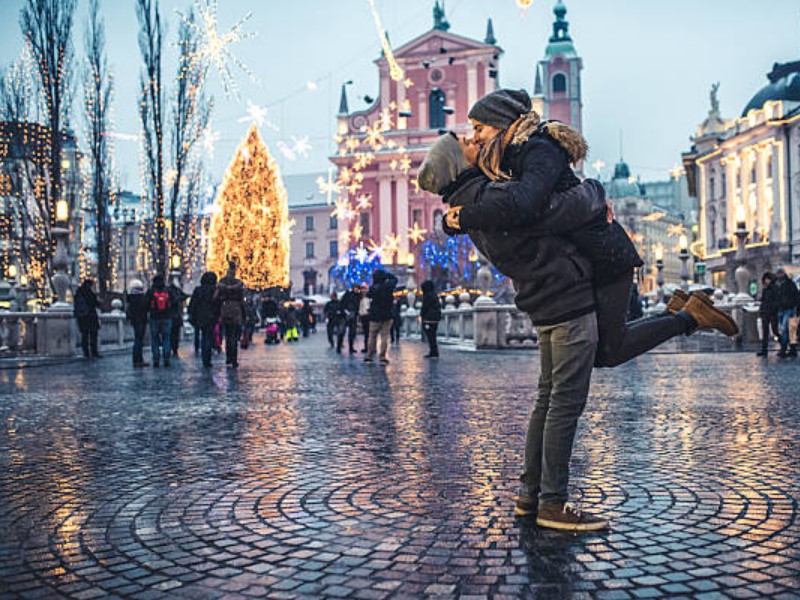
x=363, y=315
x=306, y=318
x=291, y=320
x=431, y=314
x=85, y=310
x=768, y=312
x=381, y=295
x=159, y=302
x=397, y=322
x=179, y=297
x=204, y=310
x=230, y=295
x=136, y=312
x=250, y=321
x=332, y=312
x=786, y=302
x=349, y=323
x=540, y=227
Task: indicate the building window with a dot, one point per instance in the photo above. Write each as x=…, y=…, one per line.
x=436, y=109
x=333, y=222
x=724, y=184
x=559, y=84
x=769, y=166
x=753, y=174
x=437, y=220
x=333, y=245
x=364, y=222
x=712, y=188
x=416, y=217
x=309, y=223
x=309, y=249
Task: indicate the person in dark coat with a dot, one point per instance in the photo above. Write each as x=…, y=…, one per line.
x=85, y=309
x=136, y=312
x=786, y=301
x=349, y=323
x=177, y=314
x=430, y=314
x=768, y=312
x=635, y=305
x=511, y=173
x=290, y=320
x=397, y=322
x=230, y=295
x=381, y=295
x=306, y=318
x=160, y=306
x=333, y=319
x=204, y=313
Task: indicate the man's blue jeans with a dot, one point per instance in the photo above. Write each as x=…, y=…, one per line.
x=783, y=326
x=567, y=353
x=138, y=342
x=160, y=330
x=206, y=342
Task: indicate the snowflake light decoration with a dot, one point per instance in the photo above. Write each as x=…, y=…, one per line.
x=215, y=46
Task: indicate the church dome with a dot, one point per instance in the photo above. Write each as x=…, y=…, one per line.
x=784, y=84
x=622, y=186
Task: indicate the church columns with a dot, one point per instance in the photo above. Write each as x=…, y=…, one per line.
x=402, y=217
x=472, y=83
x=385, y=207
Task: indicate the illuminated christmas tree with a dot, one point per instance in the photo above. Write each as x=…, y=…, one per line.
x=250, y=224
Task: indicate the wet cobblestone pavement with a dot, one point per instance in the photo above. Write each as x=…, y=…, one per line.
x=307, y=475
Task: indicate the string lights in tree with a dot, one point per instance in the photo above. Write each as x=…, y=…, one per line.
x=250, y=222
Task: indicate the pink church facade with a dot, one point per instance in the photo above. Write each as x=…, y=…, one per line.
x=444, y=74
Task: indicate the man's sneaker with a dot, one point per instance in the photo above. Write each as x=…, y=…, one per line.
x=384, y=361
x=367, y=359
x=526, y=506
x=567, y=518
x=155, y=364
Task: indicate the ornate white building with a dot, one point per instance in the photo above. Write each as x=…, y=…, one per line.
x=745, y=173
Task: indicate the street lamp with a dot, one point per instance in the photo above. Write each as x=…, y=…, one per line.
x=60, y=259
x=683, y=255
x=660, y=273
x=742, y=275
x=125, y=223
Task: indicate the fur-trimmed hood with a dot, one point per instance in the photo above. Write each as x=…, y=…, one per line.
x=564, y=135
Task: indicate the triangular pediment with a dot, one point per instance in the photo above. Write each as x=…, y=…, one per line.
x=430, y=42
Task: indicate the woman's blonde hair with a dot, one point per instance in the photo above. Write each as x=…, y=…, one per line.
x=490, y=158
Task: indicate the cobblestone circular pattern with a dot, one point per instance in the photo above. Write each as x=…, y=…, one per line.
x=307, y=475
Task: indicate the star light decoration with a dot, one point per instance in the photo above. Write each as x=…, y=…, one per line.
x=524, y=6
x=258, y=115
x=215, y=46
x=395, y=70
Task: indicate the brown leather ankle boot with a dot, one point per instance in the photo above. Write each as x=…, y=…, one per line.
x=677, y=301
x=700, y=307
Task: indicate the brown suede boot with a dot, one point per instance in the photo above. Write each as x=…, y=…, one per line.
x=700, y=307
x=676, y=301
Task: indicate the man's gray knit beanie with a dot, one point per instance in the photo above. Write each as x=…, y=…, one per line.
x=442, y=165
x=501, y=108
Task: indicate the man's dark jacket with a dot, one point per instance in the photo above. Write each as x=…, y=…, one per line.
x=204, y=305
x=786, y=294
x=381, y=292
x=528, y=230
x=137, y=308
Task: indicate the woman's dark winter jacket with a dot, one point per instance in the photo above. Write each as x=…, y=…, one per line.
x=381, y=294
x=290, y=319
x=204, y=305
x=349, y=304
x=85, y=309
x=137, y=308
x=230, y=295
x=431, y=311
x=547, y=231
x=180, y=297
x=332, y=310
x=769, y=301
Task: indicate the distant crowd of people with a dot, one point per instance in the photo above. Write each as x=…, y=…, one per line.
x=224, y=315
x=780, y=313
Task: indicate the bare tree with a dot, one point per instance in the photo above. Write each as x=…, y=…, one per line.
x=47, y=27
x=191, y=110
x=97, y=90
x=152, y=121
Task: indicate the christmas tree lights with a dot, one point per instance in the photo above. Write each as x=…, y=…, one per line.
x=250, y=223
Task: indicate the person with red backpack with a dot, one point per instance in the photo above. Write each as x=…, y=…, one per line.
x=161, y=307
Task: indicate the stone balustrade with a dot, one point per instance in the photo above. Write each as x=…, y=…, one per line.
x=30, y=333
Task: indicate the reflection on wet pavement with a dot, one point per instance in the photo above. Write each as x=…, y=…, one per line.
x=305, y=474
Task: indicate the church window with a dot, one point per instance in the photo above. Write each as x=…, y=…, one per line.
x=559, y=83
x=364, y=222
x=436, y=112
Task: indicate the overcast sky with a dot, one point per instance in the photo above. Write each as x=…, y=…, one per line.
x=648, y=65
